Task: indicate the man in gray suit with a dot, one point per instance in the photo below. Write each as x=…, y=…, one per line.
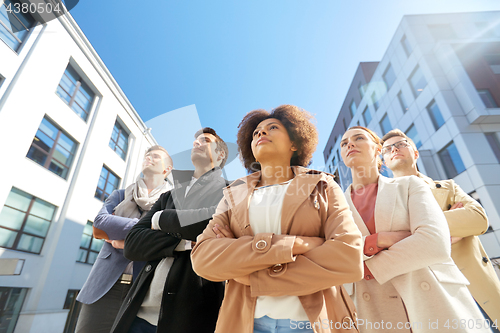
x=111, y=276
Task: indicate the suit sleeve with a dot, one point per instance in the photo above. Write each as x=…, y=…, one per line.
x=116, y=227
x=186, y=223
x=470, y=220
x=145, y=244
x=429, y=243
x=338, y=261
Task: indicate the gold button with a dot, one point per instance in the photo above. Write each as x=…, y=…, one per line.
x=355, y=315
x=371, y=248
x=261, y=245
x=346, y=322
x=277, y=268
x=366, y=296
x=425, y=286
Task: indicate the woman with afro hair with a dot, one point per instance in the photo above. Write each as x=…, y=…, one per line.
x=283, y=236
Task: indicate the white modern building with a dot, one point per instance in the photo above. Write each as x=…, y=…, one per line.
x=439, y=82
x=69, y=136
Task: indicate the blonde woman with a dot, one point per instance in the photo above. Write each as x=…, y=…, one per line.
x=410, y=282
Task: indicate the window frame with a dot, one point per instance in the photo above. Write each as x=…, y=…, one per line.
x=402, y=102
x=353, y=112
x=384, y=132
x=384, y=76
x=450, y=175
x=103, y=198
x=375, y=101
x=367, y=111
x=88, y=249
x=22, y=292
x=50, y=154
x=433, y=114
x=121, y=129
x=9, y=30
x=485, y=93
x=415, y=91
x=412, y=126
x=21, y=231
x=405, y=43
x=494, y=142
x=79, y=85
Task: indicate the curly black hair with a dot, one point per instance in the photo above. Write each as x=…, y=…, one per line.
x=298, y=124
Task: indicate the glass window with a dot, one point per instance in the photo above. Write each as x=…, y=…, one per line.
x=375, y=101
x=89, y=246
x=352, y=108
x=402, y=102
x=413, y=134
x=442, y=31
x=344, y=123
x=367, y=117
x=334, y=161
x=451, y=160
x=108, y=182
x=52, y=149
x=406, y=46
x=493, y=61
x=76, y=93
x=385, y=124
x=494, y=144
x=1, y=80
x=14, y=26
x=488, y=100
x=361, y=89
x=389, y=77
x=74, y=308
x=435, y=114
x=417, y=81
x=119, y=140
x=25, y=221
x=11, y=302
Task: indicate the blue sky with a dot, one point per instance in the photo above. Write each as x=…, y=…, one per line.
x=230, y=57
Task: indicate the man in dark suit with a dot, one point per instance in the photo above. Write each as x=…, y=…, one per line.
x=168, y=296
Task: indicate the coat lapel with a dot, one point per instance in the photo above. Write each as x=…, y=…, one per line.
x=298, y=191
x=239, y=194
x=385, y=204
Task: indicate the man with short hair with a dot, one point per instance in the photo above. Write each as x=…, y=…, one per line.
x=111, y=275
x=466, y=220
x=168, y=296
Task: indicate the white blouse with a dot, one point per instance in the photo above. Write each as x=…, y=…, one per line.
x=265, y=216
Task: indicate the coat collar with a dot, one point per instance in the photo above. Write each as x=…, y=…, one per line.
x=385, y=203
x=240, y=192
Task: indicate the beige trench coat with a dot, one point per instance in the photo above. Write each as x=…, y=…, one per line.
x=313, y=206
x=468, y=253
x=417, y=271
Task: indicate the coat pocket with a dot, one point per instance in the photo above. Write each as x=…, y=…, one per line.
x=103, y=255
x=448, y=273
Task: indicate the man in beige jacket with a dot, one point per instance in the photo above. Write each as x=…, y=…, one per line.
x=466, y=220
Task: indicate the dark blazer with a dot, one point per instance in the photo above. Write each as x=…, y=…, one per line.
x=190, y=303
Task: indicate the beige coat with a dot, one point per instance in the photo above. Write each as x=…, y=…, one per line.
x=416, y=277
x=313, y=206
x=469, y=256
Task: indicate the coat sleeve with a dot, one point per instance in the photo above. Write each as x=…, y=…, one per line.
x=116, y=227
x=219, y=259
x=187, y=223
x=470, y=220
x=339, y=260
x=429, y=243
x=145, y=244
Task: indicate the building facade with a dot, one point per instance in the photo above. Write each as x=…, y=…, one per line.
x=439, y=82
x=69, y=137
